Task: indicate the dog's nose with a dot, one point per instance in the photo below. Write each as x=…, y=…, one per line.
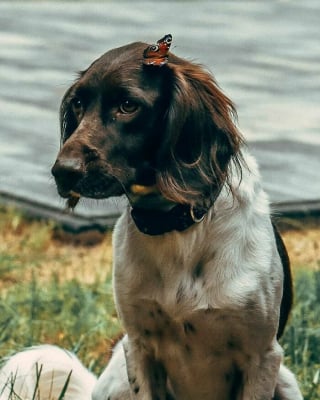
x=67, y=173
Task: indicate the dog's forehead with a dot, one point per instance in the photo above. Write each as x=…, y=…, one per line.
x=128, y=57
x=118, y=68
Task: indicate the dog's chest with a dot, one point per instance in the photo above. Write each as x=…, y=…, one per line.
x=191, y=335
x=201, y=349
x=180, y=312
x=195, y=302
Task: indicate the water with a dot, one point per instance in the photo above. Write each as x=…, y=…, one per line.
x=265, y=55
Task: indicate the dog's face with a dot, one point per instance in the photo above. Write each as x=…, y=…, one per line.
x=125, y=125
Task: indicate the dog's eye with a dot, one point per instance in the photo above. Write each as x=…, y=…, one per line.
x=128, y=107
x=77, y=106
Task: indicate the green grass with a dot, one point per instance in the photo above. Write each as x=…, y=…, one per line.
x=79, y=314
x=301, y=341
x=71, y=314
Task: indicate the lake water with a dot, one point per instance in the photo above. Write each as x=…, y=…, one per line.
x=265, y=55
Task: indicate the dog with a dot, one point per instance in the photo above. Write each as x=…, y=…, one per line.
x=45, y=372
x=201, y=277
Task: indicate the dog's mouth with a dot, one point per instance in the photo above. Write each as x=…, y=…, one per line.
x=97, y=186
x=140, y=196
x=138, y=184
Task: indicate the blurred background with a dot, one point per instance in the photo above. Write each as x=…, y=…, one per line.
x=265, y=56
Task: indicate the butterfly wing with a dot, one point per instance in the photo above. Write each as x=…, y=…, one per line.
x=157, y=54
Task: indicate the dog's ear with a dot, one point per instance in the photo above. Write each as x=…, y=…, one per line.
x=200, y=137
x=68, y=120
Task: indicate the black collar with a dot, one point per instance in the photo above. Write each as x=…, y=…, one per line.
x=179, y=218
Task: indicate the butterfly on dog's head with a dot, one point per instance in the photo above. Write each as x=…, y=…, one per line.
x=157, y=54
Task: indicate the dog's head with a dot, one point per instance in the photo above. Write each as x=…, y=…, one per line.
x=147, y=131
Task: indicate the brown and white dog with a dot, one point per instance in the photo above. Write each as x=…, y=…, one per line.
x=201, y=277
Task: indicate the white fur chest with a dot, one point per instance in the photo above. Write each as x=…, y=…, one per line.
x=221, y=263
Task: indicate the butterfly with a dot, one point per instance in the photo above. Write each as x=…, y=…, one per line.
x=157, y=54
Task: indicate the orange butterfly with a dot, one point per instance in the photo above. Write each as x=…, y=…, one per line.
x=157, y=54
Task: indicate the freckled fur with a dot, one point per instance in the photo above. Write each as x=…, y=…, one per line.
x=204, y=303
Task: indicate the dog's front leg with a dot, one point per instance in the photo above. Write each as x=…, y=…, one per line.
x=147, y=377
x=287, y=387
x=113, y=383
x=260, y=378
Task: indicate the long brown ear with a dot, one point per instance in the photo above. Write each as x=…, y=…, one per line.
x=200, y=139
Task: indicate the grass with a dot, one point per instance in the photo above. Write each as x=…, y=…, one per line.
x=53, y=291
x=301, y=341
x=57, y=289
